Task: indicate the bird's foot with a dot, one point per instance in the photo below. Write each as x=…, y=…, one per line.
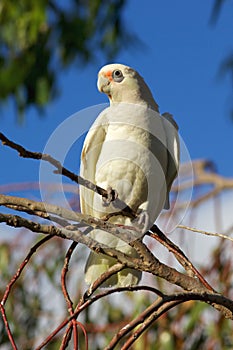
x=111, y=196
x=143, y=221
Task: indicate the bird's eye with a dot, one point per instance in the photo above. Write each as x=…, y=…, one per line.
x=117, y=75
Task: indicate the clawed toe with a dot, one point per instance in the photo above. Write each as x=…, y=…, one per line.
x=111, y=196
x=143, y=221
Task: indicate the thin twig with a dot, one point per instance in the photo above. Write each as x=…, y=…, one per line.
x=84, y=303
x=207, y=233
x=161, y=306
x=22, y=266
x=179, y=255
x=12, y=282
x=8, y=330
x=68, y=300
x=148, y=322
x=210, y=298
x=67, y=336
x=134, y=323
x=101, y=279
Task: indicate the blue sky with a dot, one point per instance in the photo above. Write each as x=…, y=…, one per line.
x=179, y=59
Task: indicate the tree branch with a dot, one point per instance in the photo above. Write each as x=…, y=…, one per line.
x=67, y=335
x=207, y=233
x=178, y=254
x=23, y=152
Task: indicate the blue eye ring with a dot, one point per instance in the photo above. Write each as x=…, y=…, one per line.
x=117, y=75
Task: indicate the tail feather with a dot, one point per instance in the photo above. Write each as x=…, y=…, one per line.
x=98, y=264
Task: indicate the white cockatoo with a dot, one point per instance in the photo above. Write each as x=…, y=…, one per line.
x=133, y=150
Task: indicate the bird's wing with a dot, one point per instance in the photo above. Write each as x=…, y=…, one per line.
x=94, y=150
x=89, y=158
x=173, y=152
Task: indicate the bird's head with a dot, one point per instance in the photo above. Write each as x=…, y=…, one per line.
x=123, y=84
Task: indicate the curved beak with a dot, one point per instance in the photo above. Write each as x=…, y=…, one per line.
x=103, y=84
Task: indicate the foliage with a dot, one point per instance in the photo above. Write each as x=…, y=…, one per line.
x=39, y=38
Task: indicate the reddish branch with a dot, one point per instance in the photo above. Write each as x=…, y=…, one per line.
x=178, y=254
x=72, y=324
x=13, y=281
x=159, y=307
x=8, y=330
x=156, y=310
x=84, y=303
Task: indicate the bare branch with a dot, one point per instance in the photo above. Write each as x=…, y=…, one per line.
x=22, y=266
x=8, y=330
x=72, y=325
x=207, y=233
x=42, y=209
x=76, y=236
x=204, y=174
x=100, y=280
x=131, y=325
x=121, y=232
x=151, y=265
x=159, y=307
x=12, y=282
x=62, y=170
x=178, y=254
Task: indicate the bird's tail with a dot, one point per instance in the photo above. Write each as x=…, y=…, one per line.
x=100, y=263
